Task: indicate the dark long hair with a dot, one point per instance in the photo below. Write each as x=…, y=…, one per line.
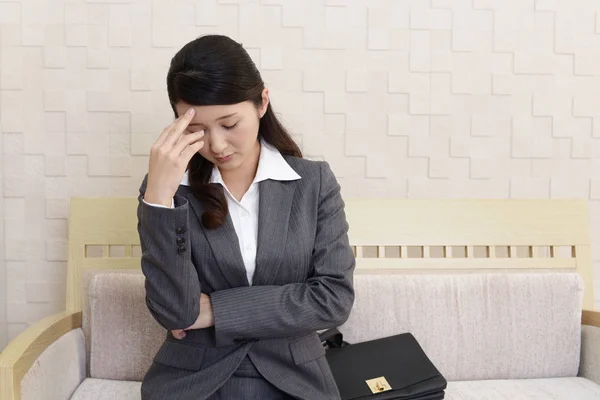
x=216, y=70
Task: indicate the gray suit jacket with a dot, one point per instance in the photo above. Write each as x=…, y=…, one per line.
x=303, y=283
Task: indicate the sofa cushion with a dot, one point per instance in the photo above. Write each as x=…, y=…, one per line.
x=104, y=389
x=87, y=275
x=45, y=381
x=473, y=326
x=477, y=326
x=589, y=365
x=124, y=335
x=524, y=389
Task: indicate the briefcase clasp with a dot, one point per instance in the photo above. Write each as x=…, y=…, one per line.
x=378, y=385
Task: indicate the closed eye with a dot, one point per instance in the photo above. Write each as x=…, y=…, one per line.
x=230, y=127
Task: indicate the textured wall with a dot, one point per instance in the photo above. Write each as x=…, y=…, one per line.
x=440, y=98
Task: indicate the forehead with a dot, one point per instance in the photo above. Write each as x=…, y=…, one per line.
x=207, y=114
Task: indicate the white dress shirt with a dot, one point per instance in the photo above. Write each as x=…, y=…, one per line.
x=244, y=213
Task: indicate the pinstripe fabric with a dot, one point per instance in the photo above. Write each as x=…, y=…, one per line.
x=302, y=283
x=248, y=384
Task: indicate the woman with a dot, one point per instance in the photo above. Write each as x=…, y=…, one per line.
x=244, y=243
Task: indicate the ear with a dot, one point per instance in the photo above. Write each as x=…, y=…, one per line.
x=265, y=102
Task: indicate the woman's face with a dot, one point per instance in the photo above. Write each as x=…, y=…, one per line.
x=230, y=131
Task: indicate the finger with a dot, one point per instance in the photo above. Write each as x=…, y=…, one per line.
x=163, y=135
x=186, y=140
x=178, y=333
x=177, y=130
x=188, y=153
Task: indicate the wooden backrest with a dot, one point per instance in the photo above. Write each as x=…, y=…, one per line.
x=388, y=235
x=102, y=235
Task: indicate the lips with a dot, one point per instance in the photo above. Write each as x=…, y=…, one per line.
x=224, y=159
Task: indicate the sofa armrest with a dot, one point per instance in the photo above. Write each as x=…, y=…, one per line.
x=22, y=352
x=589, y=365
x=591, y=318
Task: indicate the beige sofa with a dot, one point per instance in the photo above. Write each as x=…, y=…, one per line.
x=509, y=336
x=495, y=291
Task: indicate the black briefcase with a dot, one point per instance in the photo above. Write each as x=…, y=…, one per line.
x=391, y=368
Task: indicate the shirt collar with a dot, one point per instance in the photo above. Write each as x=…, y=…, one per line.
x=271, y=165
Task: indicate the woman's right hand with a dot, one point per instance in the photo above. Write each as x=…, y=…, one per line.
x=169, y=158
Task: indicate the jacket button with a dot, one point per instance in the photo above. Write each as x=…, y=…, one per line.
x=181, y=249
x=180, y=231
x=180, y=241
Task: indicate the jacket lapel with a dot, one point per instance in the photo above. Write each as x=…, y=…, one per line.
x=275, y=203
x=225, y=246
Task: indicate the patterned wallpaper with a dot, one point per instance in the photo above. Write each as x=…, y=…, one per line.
x=406, y=98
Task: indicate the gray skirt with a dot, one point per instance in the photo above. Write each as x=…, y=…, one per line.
x=247, y=383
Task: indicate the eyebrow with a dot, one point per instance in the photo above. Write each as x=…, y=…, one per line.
x=218, y=119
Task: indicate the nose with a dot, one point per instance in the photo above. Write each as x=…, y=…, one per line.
x=217, y=143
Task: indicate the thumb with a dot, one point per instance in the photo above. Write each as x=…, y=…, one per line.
x=178, y=333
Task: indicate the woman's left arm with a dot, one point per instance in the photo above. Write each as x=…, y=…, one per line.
x=323, y=301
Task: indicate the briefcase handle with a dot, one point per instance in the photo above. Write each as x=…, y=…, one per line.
x=333, y=338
